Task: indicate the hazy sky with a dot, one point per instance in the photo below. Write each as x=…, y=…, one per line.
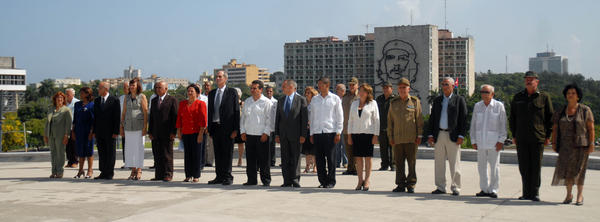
x=181, y=39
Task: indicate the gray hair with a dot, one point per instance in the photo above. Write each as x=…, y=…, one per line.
x=224, y=74
x=489, y=87
x=291, y=83
x=239, y=92
x=449, y=79
x=163, y=83
x=341, y=86
x=70, y=90
x=105, y=85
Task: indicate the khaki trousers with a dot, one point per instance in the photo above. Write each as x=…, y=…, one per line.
x=445, y=149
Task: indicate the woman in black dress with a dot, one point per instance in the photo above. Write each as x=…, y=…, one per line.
x=307, y=148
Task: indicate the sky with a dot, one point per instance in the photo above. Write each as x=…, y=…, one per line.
x=182, y=39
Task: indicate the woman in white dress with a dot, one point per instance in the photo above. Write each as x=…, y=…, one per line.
x=133, y=127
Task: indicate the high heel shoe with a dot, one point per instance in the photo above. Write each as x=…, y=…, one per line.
x=579, y=203
x=138, y=176
x=365, y=188
x=131, y=176
x=79, y=174
x=89, y=175
x=359, y=187
x=568, y=201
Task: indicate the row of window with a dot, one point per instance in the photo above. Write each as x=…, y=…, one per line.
x=330, y=56
x=310, y=46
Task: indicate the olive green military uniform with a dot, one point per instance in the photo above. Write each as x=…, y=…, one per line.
x=385, y=150
x=404, y=126
x=346, y=103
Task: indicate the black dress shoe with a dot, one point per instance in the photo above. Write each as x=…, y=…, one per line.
x=295, y=184
x=523, y=198
x=100, y=177
x=493, y=195
x=208, y=165
x=455, y=193
x=215, y=181
x=482, y=194
x=227, y=182
x=392, y=168
x=331, y=186
x=410, y=190
x=286, y=185
x=383, y=168
x=398, y=189
x=249, y=184
x=436, y=191
x=152, y=167
x=322, y=186
x=535, y=199
x=347, y=172
x=155, y=179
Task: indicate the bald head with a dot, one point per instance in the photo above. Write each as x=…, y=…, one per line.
x=160, y=88
x=103, y=88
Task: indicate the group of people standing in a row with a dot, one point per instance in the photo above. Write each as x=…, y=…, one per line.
x=317, y=123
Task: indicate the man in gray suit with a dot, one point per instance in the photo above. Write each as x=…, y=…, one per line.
x=291, y=129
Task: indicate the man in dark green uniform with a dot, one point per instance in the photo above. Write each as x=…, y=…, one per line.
x=383, y=102
x=531, y=126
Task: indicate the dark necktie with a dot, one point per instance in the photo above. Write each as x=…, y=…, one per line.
x=288, y=105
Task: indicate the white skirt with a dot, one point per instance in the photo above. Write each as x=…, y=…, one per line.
x=134, y=149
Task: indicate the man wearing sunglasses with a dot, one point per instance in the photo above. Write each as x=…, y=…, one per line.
x=488, y=132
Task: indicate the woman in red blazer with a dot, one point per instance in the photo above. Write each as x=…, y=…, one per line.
x=191, y=123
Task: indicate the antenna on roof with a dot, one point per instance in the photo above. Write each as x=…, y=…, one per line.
x=411, y=17
x=445, y=13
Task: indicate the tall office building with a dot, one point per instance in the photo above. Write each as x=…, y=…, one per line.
x=131, y=73
x=340, y=60
x=457, y=60
x=12, y=85
x=243, y=73
x=549, y=62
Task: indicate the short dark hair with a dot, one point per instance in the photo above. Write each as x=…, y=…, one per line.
x=325, y=80
x=196, y=88
x=89, y=92
x=259, y=83
x=577, y=89
x=268, y=87
x=138, y=87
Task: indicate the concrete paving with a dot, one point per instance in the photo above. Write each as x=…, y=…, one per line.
x=26, y=194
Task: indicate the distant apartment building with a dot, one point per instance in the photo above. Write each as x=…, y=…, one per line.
x=205, y=77
x=131, y=73
x=340, y=60
x=148, y=83
x=243, y=73
x=549, y=62
x=62, y=83
x=12, y=85
x=457, y=60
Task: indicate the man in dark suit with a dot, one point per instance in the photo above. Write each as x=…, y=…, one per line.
x=106, y=129
x=291, y=120
x=447, y=128
x=223, y=127
x=161, y=130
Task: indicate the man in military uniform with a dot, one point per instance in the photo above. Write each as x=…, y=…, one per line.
x=404, y=130
x=349, y=97
x=531, y=126
x=383, y=103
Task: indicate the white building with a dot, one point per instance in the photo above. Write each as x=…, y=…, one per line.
x=12, y=85
x=549, y=62
x=131, y=73
x=62, y=83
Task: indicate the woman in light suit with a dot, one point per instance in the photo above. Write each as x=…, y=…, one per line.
x=56, y=133
x=363, y=127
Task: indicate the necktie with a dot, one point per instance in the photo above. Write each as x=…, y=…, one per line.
x=103, y=100
x=288, y=105
x=159, y=102
x=217, y=104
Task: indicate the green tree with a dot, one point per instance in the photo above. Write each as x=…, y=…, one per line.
x=36, y=126
x=34, y=109
x=12, y=132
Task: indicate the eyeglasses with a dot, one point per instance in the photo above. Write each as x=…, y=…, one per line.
x=445, y=84
x=484, y=92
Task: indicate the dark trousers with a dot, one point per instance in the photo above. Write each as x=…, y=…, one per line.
x=193, y=153
x=71, y=154
x=258, y=157
x=272, y=148
x=340, y=153
x=162, y=148
x=385, y=150
x=406, y=152
x=123, y=148
x=203, y=157
x=223, y=146
x=106, y=156
x=530, y=166
x=324, y=146
x=349, y=154
x=290, y=159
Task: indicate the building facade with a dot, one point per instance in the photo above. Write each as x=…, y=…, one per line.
x=457, y=60
x=549, y=62
x=410, y=52
x=339, y=60
x=131, y=73
x=12, y=85
x=62, y=83
x=243, y=73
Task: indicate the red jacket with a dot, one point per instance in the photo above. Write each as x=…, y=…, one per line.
x=191, y=118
